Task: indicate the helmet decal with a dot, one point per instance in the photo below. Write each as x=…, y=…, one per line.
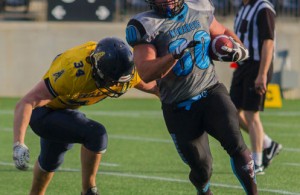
x=98, y=56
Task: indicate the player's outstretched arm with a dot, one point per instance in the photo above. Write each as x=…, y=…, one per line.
x=36, y=97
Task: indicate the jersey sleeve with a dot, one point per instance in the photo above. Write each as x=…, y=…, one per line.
x=135, y=33
x=57, y=77
x=266, y=24
x=142, y=28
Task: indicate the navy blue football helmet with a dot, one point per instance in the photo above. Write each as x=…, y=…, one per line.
x=112, y=63
x=168, y=8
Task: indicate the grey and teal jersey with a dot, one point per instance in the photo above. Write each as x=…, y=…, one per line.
x=194, y=72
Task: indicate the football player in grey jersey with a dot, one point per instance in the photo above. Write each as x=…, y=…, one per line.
x=171, y=45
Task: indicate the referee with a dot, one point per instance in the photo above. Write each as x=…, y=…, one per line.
x=255, y=26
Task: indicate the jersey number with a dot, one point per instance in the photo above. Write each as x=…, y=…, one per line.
x=199, y=56
x=79, y=65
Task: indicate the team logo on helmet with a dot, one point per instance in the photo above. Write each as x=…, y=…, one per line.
x=98, y=56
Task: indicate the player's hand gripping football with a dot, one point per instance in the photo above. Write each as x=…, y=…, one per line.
x=237, y=53
x=183, y=48
x=21, y=156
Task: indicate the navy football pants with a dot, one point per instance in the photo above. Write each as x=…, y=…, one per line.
x=59, y=129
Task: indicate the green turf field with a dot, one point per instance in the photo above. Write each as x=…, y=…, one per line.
x=142, y=160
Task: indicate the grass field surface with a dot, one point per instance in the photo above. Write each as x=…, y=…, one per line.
x=141, y=158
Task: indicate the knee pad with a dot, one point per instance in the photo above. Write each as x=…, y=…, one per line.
x=96, y=138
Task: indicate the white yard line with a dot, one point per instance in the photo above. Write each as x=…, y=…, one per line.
x=292, y=164
x=31, y=166
x=138, y=176
x=145, y=139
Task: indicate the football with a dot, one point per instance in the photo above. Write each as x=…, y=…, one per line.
x=216, y=46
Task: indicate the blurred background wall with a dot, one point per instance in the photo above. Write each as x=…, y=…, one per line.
x=33, y=32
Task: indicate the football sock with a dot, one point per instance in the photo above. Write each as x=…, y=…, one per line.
x=257, y=157
x=267, y=141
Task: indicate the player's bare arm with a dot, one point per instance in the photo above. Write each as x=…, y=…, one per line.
x=36, y=97
x=217, y=28
x=149, y=67
x=235, y=54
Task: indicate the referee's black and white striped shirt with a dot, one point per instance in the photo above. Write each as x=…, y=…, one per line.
x=253, y=24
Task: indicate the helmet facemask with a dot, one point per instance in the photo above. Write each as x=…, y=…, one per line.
x=108, y=85
x=166, y=9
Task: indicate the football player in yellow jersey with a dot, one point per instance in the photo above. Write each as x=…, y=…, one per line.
x=82, y=75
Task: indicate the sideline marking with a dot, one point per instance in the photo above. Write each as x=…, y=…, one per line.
x=168, y=179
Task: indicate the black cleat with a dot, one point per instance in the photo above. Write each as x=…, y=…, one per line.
x=92, y=191
x=270, y=153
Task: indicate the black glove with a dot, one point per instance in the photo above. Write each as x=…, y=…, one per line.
x=236, y=54
x=183, y=48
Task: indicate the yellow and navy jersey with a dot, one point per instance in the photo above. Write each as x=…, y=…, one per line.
x=69, y=79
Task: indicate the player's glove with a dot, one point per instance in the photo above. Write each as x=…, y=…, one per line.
x=236, y=54
x=183, y=48
x=21, y=156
